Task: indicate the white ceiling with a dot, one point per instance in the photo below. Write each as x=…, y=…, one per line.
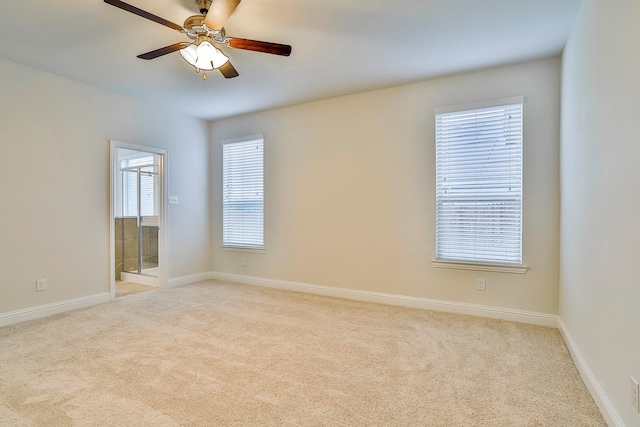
x=339, y=46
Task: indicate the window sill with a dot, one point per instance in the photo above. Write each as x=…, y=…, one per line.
x=500, y=268
x=243, y=249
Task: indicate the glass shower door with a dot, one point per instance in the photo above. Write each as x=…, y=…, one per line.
x=140, y=224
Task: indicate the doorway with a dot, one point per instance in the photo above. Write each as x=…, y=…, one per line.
x=138, y=225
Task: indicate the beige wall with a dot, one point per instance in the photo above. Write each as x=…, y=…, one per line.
x=54, y=185
x=600, y=170
x=349, y=187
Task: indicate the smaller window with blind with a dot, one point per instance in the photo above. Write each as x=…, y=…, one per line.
x=139, y=174
x=479, y=182
x=243, y=193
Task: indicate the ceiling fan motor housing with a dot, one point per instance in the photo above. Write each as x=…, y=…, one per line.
x=204, y=6
x=194, y=27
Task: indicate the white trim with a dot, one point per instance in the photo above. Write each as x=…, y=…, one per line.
x=46, y=310
x=243, y=232
x=188, y=280
x=597, y=392
x=480, y=104
x=163, y=211
x=500, y=268
x=260, y=250
x=533, y=318
x=242, y=138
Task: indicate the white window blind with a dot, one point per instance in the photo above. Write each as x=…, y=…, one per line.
x=243, y=193
x=147, y=186
x=479, y=184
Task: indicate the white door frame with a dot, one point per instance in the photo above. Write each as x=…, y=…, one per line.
x=162, y=208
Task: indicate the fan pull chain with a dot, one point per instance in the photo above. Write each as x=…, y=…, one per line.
x=204, y=75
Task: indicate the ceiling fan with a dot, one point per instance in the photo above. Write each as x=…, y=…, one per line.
x=205, y=30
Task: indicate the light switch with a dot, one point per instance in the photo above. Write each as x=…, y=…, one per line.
x=173, y=200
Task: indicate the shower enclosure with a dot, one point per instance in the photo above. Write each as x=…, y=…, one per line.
x=136, y=218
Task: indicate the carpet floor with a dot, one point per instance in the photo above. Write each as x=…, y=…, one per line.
x=221, y=354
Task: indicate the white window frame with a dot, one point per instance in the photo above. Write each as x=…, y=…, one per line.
x=149, y=204
x=477, y=259
x=234, y=235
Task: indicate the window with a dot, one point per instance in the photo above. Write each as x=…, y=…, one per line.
x=243, y=193
x=479, y=183
x=145, y=168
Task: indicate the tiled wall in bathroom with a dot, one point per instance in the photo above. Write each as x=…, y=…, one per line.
x=126, y=241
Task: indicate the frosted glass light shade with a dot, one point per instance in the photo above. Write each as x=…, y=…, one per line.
x=204, y=56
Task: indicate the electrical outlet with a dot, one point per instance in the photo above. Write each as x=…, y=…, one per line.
x=481, y=284
x=41, y=285
x=635, y=394
x=244, y=261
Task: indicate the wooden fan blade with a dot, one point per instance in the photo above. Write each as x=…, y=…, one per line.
x=163, y=50
x=228, y=71
x=219, y=12
x=258, y=46
x=129, y=8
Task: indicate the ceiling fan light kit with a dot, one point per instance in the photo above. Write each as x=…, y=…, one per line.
x=206, y=31
x=204, y=55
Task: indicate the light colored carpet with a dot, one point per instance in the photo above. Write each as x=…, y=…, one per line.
x=214, y=354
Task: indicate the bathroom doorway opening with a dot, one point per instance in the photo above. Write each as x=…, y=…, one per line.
x=138, y=225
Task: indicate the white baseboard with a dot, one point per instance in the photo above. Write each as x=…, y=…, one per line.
x=597, y=392
x=534, y=318
x=187, y=280
x=40, y=311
